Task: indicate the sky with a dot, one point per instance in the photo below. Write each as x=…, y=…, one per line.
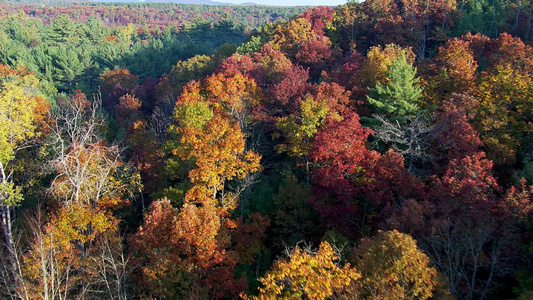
x=289, y=2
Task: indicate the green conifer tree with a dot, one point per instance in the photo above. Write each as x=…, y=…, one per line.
x=64, y=31
x=399, y=97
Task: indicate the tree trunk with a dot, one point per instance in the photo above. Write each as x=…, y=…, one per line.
x=8, y=233
x=517, y=16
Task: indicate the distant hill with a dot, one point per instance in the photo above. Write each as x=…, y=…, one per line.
x=193, y=2
x=199, y=2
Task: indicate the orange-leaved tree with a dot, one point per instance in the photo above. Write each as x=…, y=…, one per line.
x=212, y=139
x=182, y=253
x=196, y=261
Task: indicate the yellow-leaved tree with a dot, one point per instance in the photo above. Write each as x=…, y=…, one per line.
x=75, y=254
x=393, y=267
x=21, y=108
x=308, y=275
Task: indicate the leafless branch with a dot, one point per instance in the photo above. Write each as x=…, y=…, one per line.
x=409, y=138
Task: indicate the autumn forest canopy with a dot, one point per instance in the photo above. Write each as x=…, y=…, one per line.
x=374, y=150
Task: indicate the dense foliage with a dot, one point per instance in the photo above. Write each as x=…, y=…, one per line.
x=375, y=150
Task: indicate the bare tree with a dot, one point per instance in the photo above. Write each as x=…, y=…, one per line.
x=470, y=256
x=161, y=118
x=113, y=269
x=83, y=162
x=87, y=171
x=409, y=138
x=76, y=120
x=11, y=270
x=10, y=196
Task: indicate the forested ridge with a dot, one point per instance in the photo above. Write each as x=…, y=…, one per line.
x=374, y=150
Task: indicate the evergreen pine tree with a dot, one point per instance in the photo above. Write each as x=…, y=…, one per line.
x=64, y=31
x=399, y=97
